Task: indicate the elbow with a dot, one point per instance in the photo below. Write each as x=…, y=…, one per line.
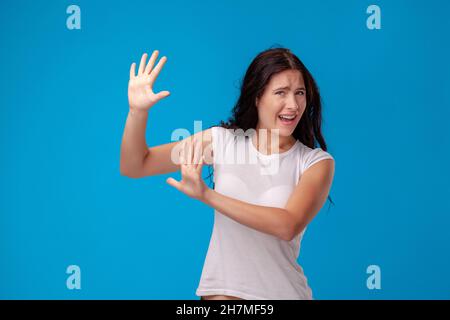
x=287, y=236
x=131, y=168
x=291, y=231
x=130, y=174
x=125, y=171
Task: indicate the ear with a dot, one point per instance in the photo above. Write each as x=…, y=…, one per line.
x=256, y=102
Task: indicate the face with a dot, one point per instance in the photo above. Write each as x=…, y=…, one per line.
x=282, y=102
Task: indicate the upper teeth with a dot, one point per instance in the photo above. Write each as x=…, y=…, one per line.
x=287, y=117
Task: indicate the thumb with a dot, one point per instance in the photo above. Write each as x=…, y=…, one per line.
x=174, y=183
x=200, y=164
x=162, y=95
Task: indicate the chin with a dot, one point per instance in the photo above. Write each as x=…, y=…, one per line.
x=286, y=132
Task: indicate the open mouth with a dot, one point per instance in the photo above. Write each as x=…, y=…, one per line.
x=287, y=119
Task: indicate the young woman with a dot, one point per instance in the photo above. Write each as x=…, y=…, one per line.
x=270, y=179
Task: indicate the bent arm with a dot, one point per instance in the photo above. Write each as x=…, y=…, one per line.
x=140, y=98
x=271, y=220
x=285, y=223
x=134, y=148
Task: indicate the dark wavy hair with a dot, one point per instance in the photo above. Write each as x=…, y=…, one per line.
x=262, y=68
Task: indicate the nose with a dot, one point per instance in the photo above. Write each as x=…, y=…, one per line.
x=292, y=103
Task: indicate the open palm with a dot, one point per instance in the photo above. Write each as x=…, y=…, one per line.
x=191, y=162
x=140, y=86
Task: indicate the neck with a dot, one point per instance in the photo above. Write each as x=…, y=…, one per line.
x=269, y=141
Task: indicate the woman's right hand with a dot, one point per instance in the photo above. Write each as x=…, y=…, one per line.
x=140, y=87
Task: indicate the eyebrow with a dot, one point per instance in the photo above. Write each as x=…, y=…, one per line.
x=287, y=87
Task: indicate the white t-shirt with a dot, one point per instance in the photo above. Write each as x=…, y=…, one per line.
x=242, y=261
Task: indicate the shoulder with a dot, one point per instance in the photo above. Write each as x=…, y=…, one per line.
x=310, y=156
x=223, y=136
x=218, y=130
x=220, y=138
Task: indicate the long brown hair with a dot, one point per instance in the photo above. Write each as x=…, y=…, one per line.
x=267, y=63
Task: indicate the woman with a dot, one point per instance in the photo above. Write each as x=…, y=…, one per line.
x=269, y=179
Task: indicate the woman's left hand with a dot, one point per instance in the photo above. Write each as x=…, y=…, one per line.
x=191, y=162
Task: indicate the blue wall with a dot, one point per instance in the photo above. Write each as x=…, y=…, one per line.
x=64, y=105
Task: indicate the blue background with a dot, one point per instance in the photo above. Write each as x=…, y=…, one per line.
x=63, y=110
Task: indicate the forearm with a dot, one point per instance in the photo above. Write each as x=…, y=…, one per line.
x=134, y=148
x=271, y=220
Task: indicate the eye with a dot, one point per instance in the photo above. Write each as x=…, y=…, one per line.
x=279, y=92
x=301, y=93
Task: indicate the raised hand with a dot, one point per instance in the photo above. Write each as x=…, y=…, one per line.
x=140, y=86
x=191, y=162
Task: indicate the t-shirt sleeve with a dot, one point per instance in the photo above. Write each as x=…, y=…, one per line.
x=313, y=156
